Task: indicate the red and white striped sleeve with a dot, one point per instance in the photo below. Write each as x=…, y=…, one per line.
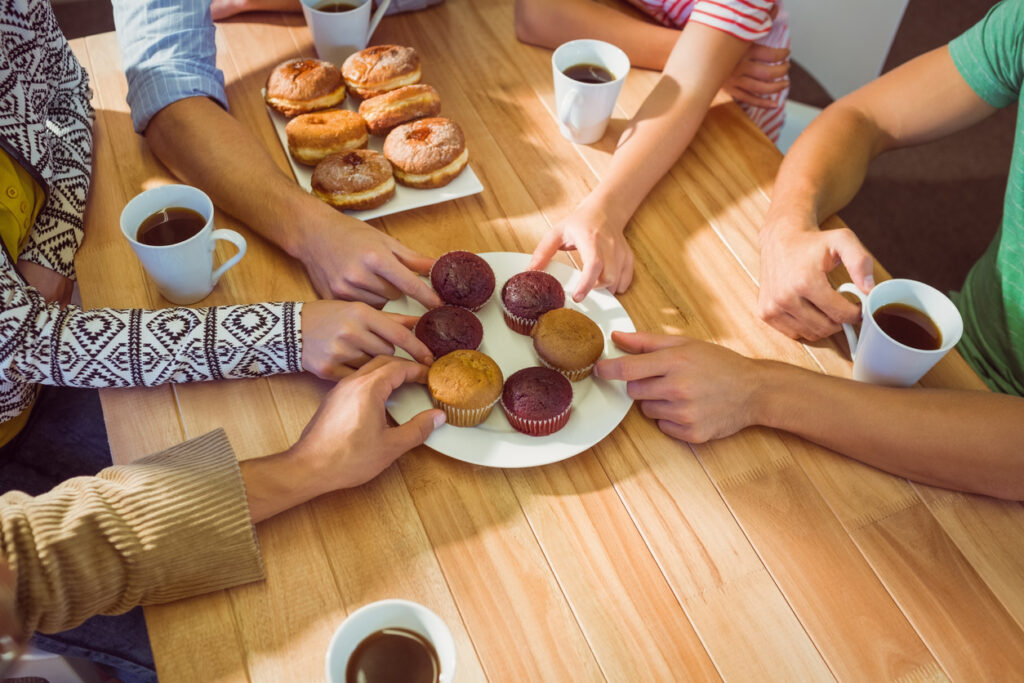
x=744, y=19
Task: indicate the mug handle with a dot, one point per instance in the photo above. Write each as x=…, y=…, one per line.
x=375, y=19
x=851, y=336
x=235, y=239
x=569, y=106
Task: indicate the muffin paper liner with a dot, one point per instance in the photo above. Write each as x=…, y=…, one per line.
x=538, y=427
x=464, y=417
x=571, y=375
x=517, y=323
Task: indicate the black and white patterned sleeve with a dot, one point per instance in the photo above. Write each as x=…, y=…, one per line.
x=43, y=344
x=58, y=230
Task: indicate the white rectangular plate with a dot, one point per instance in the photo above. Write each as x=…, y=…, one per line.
x=464, y=185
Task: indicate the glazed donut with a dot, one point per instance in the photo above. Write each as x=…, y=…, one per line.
x=311, y=137
x=427, y=153
x=304, y=85
x=378, y=69
x=384, y=112
x=360, y=179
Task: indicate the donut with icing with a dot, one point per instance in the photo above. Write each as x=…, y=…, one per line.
x=359, y=179
x=427, y=153
x=384, y=112
x=299, y=86
x=381, y=68
x=313, y=136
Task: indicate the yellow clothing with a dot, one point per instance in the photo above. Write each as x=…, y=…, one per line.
x=21, y=198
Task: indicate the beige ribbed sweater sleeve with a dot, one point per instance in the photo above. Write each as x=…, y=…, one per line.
x=170, y=526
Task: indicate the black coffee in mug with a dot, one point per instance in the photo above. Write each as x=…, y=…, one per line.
x=170, y=226
x=393, y=655
x=335, y=6
x=909, y=326
x=589, y=73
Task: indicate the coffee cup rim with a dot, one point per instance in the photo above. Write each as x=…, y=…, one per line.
x=949, y=341
x=352, y=626
x=207, y=212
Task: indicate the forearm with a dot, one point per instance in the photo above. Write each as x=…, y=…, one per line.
x=549, y=24
x=965, y=440
x=235, y=170
x=668, y=119
x=824, y=169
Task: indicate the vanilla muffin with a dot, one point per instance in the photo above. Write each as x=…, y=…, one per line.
x=568, y=341
x=465, y=384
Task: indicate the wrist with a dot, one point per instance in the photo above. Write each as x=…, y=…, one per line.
x=605, y=211
x=278, y=482
x=769, y=386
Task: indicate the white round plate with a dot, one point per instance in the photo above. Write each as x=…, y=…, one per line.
x=597, y=406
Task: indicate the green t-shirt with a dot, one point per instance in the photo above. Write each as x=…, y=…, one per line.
x=990, y=57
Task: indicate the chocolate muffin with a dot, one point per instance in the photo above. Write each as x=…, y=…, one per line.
x=447, y=328
x=568, y=341
x=465, y=384
x=525, y=296
x=537, y=401
x=462, y=279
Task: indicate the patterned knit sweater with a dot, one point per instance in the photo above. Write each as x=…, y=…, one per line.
x=46, y=125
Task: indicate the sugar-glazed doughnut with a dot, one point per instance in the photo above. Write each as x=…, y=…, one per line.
x=378, y=69
x=299, y=86
x=360, y=179
x=427, y=153
x=384, y=112
x=311, y=137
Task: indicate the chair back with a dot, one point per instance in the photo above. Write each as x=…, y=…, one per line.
x=843, y=43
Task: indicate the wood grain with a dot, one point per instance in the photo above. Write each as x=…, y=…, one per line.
x=760, y=556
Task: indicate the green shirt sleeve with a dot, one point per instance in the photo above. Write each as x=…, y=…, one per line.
x=990, y=55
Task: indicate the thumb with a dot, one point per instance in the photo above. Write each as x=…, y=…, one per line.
x=858, y=261
x=407, y=436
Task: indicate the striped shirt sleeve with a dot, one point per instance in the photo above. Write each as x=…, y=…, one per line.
x=169, y=52
x=745, y=19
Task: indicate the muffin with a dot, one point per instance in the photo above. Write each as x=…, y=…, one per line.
x=465, y=384
x=537, y=401
x=447, y=328
x=568, y=341
x=462, y=279
x=525, y=296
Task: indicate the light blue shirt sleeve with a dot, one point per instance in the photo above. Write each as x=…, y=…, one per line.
x=168, y=52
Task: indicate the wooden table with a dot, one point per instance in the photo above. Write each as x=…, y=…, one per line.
x=756, y=556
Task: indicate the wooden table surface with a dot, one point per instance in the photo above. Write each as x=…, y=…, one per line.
x=752, y=557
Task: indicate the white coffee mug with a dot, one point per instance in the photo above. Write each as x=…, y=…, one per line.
x=880, y=359
x=384, y=614
x=336, y=35
x=584, y=108
x=183, y=272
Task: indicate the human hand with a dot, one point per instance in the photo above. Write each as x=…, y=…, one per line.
x=339, y=336
x=761, y=73
x=349, y=442
x=348, y=259
x=601, y=244
x=796, y=297
x=696, y=391
x=54, y=287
